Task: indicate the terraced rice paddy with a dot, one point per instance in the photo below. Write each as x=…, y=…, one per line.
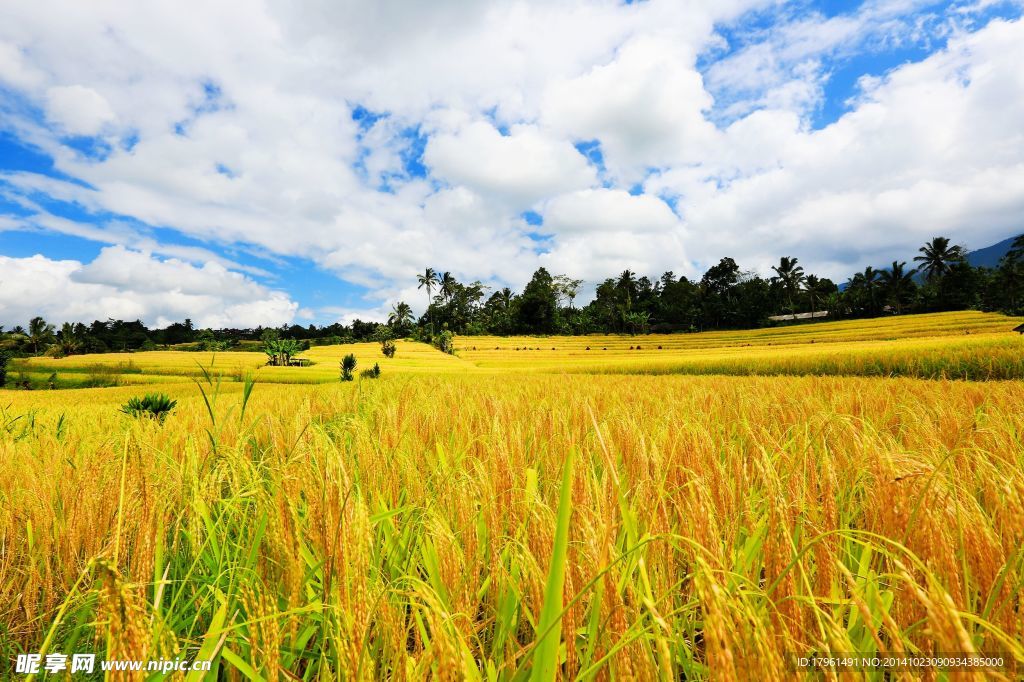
x=547, y=514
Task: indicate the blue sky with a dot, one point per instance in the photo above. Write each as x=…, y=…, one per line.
x=256, y=166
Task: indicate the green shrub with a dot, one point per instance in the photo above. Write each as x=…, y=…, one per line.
x=281, y=351
x=207, y=345
x=445, y=342
x=5, y=358
x=388, y=348
x=152, y=405
x=348, y=365
x=372, y=373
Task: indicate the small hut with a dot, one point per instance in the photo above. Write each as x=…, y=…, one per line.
x=1019, y=329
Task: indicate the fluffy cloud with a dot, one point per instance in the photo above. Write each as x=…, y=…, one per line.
x=600, y=232
x=15, y=69
x=77, y=109
x=647, y=107
x=911, y=161
x=233, y=126
x=604, y=210
x=519, y=168
x=126, y=284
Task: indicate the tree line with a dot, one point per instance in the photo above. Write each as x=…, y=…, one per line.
x=939, y=278
x=725, y=297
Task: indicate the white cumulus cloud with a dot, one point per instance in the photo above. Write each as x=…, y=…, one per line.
x=77, y=109
x=232, y=125
x=519, y=168
x=126, y=284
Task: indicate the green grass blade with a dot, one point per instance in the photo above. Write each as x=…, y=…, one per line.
x=212, y=642
x=545, y=657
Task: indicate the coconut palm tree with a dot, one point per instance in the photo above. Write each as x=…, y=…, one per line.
x=505, y=296
x=897, y=284
x=447, y=286
x=869, y=282
x=864, y=285
x=67, y=339
x=427, y=280
x=39, y=332
x=813, y=288
x=1016, y=252
x=791, y=276
x=936, y=257
x=401, y=315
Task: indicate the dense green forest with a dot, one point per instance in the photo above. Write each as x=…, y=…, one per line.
x=726, y=297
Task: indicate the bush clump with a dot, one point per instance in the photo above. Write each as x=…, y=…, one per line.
x=372, y=373
x=386, y=337
x=445, y=342
x=348, y=365
x=152, y=405
x=280, y=351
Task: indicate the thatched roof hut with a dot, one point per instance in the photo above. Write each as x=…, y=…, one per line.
x=1019, y=329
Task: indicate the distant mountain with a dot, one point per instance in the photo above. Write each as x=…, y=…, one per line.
x=990, y=255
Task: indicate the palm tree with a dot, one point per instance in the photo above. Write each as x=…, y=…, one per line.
x=401, y=314
x=864, y=284
x=39, y=332
x=1011, y=271
x=812, y=285
x=791, y=276
x=505, y=296
x=897, y=283
x=427, y=279
x=447, y=286
x=1016, y=252
x=68, y=340
x=869, y=280
x=937, y=255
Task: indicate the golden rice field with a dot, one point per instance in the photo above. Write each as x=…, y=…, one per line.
x=547, y=514
x=964, y=345
x=961, y=345
x=176, y=366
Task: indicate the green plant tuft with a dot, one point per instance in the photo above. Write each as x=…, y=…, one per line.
x=348, y=365
x=152, y=405
x=444, y=341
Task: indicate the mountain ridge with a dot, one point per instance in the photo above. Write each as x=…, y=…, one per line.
x=990, y=256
